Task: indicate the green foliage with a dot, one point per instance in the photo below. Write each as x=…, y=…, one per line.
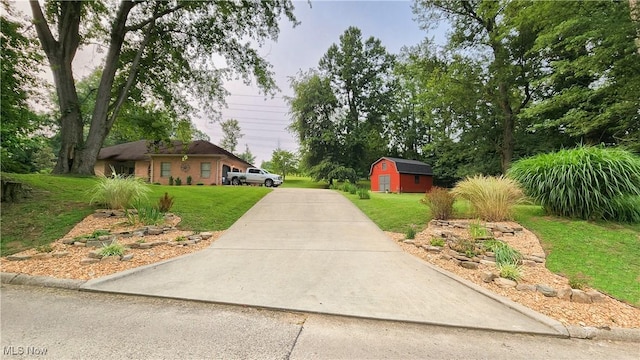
x=411, y=233
x=440, y=202
x=119, y=191
x=178, y=181
x=283, y=162
x=363, y=194
x=145, y=214
x=510, y=271
x=477, y=230
x=189, y=180
x=231, y=133
x=171, y=181
x=578, y=281
x=247, y=155
x=165, y=203
x=492, y=198
x=180, y=238
x=465, y=246
x=437, y=242
x=586, y=182
x=46, y=248
x=114, y=249
x=505, y=254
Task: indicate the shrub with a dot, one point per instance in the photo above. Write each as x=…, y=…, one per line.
x=585, y=182
x=189, y=180
x=510, y=271
x=440, y=203
x=178, y=181
x=363, y=194
x=145, y=214
x=437, y=242
x=165, y=203
x=491, y=198
x=118, y=191
x=171, y=181
x=353, y=189
x=114, y=249
x=411, y=233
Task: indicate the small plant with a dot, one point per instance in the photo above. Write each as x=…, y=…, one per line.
x=97, y=233
x=118, y=191
x=440, y=202
x=491, y=198
x=510, y=271
x=363, y=194
x=189, y=180
x=200, y=184
x=114, y=249
x=353, y=189
x=411, y=232
x=145, y=214
x=578, y=281
x=465, y=246
x=477, y=230
x=178, y=181
x=165, y=203
x=505, y=254
x=141, y=241
x=181, y=238
x=46, y=248
x=171, y=181
x=437, y=242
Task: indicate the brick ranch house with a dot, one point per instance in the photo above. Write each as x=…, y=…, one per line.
x=205, y=162
x=400, y=176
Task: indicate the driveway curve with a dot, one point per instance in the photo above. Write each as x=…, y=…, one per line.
x=314, y=251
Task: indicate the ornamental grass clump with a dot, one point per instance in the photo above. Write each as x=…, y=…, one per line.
x=118, y=191
x=440, y=202
x=586, y=182
x=491, y=198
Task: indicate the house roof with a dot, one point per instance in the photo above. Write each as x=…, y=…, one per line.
x=143, y=149
x=407, y=166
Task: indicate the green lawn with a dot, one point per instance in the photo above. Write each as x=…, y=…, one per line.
x=394, y=212
x=59, y=202
x=305, y=182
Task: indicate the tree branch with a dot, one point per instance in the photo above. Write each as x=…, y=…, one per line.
x=154, y=18
x=42, y=28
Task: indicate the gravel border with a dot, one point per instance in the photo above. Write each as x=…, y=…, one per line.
x=576, y=332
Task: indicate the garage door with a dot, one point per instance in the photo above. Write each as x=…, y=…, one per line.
x=384, y=182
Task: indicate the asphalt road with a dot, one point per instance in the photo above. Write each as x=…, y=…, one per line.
x=48, y=323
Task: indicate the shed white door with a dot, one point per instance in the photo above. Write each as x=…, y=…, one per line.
x=384, y=182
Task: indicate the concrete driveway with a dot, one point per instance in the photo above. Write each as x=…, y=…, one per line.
x=314, y=251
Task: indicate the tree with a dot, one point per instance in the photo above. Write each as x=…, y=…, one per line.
x=231, y=134
x=247, y=155
x=173, y=41
x=592, y=78
x=283, y=162
x=19, y=60
x=360, y=76
x=481, y=26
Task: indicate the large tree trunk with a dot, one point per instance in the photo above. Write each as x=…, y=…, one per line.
x=60, y=54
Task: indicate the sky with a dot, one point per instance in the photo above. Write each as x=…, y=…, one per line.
x=264, y=121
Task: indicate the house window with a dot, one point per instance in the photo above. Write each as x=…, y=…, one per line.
x=416, y=179
x=384, y=165
x=205, y=170
x=165, y=169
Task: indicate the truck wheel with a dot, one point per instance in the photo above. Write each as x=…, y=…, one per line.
x=235, y=181
x=268, y=183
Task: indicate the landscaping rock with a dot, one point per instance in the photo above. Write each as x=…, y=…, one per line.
x=433, y=249
x=488, y=276
x=87, y=261
x=41, y=256
x=445, y=256
x=564, y=294
x=530, y=263
x=18, y=257
x=547, y=290
x=144, y=246
x=539, y=255
x=60, y=254
x=95, y=254
x=505, y=283
x=580, y=296
x=68, y=241
x=80, y=244
x=461, y=257
x=534, y=258
x=596, y=296
x=412, y=242
x=487, y=262
x=110, y=258
x=101, y=241
x=126, y=257
x=156, y=243
x=154, y=230
x=206, y=235
x=526, y=287
x=469, y=265
x=139, y=233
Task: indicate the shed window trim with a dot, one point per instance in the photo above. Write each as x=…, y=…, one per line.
x=416, y=179
x=384, y=165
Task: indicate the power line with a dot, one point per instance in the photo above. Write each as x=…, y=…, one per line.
x=269, y=106
x=255, y=110
x=260, y=96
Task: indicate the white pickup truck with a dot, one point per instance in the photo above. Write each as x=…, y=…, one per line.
x=255, y=176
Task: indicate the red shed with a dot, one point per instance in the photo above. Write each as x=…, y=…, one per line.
x=400, y=175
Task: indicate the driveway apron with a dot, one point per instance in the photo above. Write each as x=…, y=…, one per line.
x=314, y=251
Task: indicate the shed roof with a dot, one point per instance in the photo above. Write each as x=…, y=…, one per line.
x=143, y=149
x=405, y=166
